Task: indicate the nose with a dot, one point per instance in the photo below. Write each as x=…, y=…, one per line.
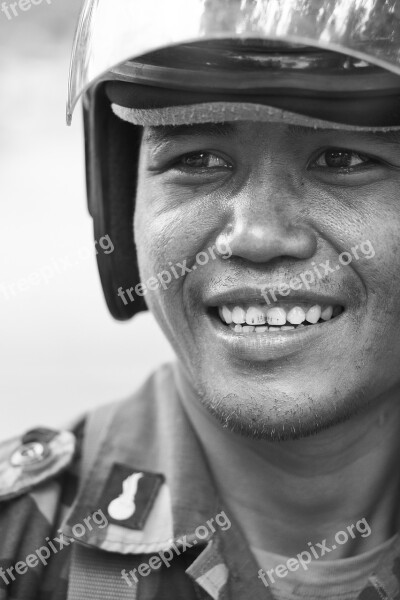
x=262, y=231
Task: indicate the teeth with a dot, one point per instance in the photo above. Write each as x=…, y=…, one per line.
x=238, y=315
x=255, y=316
x=314, y=314
x=296, y=315
x=226, y=315
x=276, y=316
x=326, y=314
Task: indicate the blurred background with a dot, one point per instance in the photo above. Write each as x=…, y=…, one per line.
x=60, y=351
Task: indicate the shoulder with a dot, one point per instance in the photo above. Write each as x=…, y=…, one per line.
x=43, y=455
x=36, y=456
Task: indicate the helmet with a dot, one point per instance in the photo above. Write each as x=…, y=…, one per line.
x=334, y=63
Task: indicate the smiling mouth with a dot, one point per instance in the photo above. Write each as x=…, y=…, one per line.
x=248, y=319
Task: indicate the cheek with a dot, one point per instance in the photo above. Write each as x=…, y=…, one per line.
x=161, y=239
x=382, y=265
x=170, y=227
x=366, y=224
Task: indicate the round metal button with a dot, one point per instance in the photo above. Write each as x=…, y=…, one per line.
x=29, y=454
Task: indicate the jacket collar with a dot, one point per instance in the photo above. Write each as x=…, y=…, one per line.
x=150, y=434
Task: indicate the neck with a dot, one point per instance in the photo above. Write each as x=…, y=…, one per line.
x=287, y=494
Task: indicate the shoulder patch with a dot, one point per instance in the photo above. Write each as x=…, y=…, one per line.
x=27, y=461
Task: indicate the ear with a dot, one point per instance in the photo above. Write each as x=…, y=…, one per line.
x=112, y=155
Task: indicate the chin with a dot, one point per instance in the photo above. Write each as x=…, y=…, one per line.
x=279, y=415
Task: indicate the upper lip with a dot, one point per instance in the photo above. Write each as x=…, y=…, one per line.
x=253, y=295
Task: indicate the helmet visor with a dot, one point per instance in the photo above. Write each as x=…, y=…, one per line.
x=320, y=85
x=112, y=33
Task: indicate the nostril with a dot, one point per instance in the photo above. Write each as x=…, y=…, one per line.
x=261, y=240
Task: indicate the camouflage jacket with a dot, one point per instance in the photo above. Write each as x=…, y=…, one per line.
x=122, y=507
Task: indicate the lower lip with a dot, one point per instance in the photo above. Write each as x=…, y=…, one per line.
x=269, y=345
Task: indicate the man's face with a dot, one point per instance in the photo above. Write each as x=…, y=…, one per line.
x=282, y=204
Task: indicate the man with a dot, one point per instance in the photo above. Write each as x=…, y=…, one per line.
x=254, y=146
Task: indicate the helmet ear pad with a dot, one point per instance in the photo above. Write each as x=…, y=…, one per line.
x=112, y=157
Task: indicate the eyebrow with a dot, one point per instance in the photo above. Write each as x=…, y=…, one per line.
x=159, y=135
x=385, y=136
x=164, y=133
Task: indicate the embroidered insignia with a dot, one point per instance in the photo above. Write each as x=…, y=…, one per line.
x=129, y=495
x=124, y=506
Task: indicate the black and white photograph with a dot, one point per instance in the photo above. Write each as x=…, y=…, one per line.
x=199, y=298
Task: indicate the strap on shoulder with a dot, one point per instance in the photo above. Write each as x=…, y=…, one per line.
x=96, y=428
x=95, y=575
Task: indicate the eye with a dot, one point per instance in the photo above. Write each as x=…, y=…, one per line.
x=338, y=158
x=202, y=161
